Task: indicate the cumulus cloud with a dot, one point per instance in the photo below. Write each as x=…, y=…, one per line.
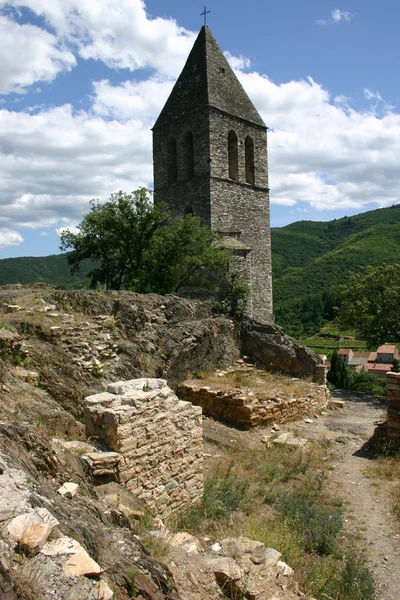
x=71, y=229
x=238, y=63
x=29, y=54
x=9, y=237
x=323, y=153
x=336, y=16
x=119, y=33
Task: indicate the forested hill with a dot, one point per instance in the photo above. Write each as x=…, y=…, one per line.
x=52, y=269
x=311, y=260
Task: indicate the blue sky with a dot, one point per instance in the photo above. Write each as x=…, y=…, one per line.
x=82, y=82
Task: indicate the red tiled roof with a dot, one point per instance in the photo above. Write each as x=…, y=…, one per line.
x=345, y=350
x=387, y=349
x=380, y=367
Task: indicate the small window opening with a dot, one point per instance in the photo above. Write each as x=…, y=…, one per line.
x=188, y=155
x=221, y=70
x=233, y=158
x=172, y=161
x=249, y=160
x=188, y=210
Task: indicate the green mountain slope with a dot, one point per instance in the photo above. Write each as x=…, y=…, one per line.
x=52, y=269
x=311, y=261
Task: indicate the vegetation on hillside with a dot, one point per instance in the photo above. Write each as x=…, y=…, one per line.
x=313, y=260
x=371, y=304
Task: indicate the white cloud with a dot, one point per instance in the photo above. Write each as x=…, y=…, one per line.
x=118, y=32
x=44, y=234
x=337, y=16
x=71, y=229
x=368, y=95
x=238, y=63
x=53, y=160
x=29, y=54
x=9, y=237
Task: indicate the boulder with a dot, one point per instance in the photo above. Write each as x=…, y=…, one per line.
x=31, y=530
x=226, y=570
x=81, y=564
x=68, y=489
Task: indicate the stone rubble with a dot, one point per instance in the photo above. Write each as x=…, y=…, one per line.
x=156, y=439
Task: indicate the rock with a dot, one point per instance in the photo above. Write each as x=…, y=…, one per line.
x=2, y=467
x=31, y=530
x=216, y=547
x=288, y=439
x=61, y=546
x=275, y=427
x=81, y=564
x=308, y=421
x=284, y=569
x=104, y=591
x=68, y=489
x=240, y=545
x=225, y=570
x=265, y=556
x=266, y=439
x=13, y=308
x=338, y=403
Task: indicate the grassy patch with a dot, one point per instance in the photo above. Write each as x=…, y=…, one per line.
x=257, y=381
x=278, y=496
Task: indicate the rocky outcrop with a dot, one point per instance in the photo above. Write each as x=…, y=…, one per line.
x=156, y=438
x=271, y=348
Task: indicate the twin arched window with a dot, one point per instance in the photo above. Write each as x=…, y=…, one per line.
x=233, y=158
x=187, y=158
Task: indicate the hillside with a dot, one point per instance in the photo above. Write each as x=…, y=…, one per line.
x=52, y=269
x=311, y=260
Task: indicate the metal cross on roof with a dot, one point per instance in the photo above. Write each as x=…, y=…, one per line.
x=204, y=14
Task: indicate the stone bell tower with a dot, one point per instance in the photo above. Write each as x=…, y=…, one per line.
x=210, y=160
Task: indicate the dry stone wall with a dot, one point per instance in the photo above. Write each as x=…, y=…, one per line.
x=158, y=438
x=247, y=409
x=393, y=392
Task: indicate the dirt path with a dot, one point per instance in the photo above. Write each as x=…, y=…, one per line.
x=368, y=500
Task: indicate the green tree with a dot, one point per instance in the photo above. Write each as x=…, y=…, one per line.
x=371, y=303
x=135, y=244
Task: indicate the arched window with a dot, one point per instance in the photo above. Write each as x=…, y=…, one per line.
x=249, y=159
x=188, y=155
x=188, y=210
x=172, y=161
x=233, y=159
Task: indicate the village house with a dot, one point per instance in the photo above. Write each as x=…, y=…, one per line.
x=377, y=363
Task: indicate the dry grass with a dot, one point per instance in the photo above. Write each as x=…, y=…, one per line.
x=258, y=382
x=385, y=468
x=27, y=580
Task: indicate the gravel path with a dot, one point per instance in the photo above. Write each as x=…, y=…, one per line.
x=368, y=500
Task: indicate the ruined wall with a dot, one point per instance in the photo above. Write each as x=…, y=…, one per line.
x=393, y=392
x=159, y=438
x=248, y=410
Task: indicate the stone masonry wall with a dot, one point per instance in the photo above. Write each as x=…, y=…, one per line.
x=159, y=438
x=248, y=410
x=393, y=392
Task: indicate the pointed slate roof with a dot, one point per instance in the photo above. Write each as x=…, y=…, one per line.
x=208, y=80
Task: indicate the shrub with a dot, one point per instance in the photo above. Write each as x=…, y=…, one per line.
x=317, y=526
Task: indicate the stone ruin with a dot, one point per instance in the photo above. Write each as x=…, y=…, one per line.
x=247, y=409
x=156, y=442
x=393, y=392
